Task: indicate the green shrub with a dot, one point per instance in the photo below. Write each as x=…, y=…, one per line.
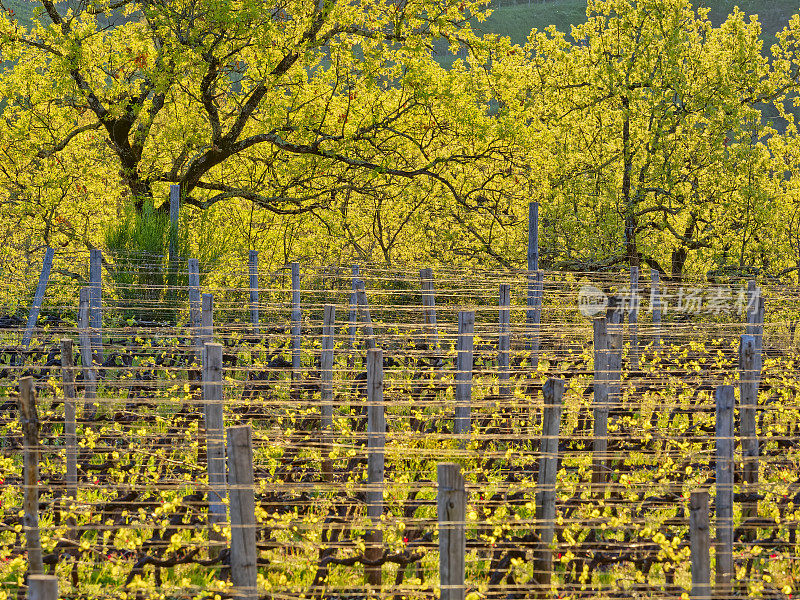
x=147, y=287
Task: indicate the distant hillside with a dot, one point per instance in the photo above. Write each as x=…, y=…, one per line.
x=773, y=14
x=23, y=10
x=517, y=20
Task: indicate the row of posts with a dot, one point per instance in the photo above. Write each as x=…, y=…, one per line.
x=608, y=345
x=93, y=295
x=239, y=477
x=237, y=484
x=91, y=320
x=90, y=311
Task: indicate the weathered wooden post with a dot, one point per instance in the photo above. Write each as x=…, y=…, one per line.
x=601, y=405
x=463, y=379
x=376, y=436
x=535, y=295
x=724, y=482
x=451, y=501
x=244, y=555
x=614, y=344
x=429, y=306
x=633, y=318
x=206, y=320
x=174, y=216
x=699, y=538
x=87, y=359
x=70, y=426
x=353, y=316
x=215, y=436
x=171, y=279
x=42, y=587
x=326, y=387
x=33, y=314
x=70, y=444
x=504, y=342
x=552, y=392
x=755, y=322
x=655, y=306
x=535, y=284
x=361, y=298
x=195, y=309
x=296, y=321
x=29, y=419
x=748, y=403
x=252, y=265
x=96, y=301
x=533, y=236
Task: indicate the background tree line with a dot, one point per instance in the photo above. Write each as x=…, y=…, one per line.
x=326, y=131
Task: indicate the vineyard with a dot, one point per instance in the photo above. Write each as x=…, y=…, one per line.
x=365, y=432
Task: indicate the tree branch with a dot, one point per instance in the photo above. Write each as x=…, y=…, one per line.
x=69, y=137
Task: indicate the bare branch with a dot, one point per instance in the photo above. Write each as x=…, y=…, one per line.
x=44, y=153
x=271, y=203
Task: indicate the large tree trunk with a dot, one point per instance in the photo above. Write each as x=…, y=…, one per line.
x=679, y=257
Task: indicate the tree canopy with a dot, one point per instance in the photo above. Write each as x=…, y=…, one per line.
x=284, y=104
x=328, y=130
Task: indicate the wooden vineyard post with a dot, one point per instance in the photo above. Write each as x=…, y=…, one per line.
x=326, y=388
x=353, y=316
x=533, y=236
x=552, y=392
x=206, y=321
x=633, y=318
x=614, y=353
x=755, y=322
x=174, y=216
x=504, y=342
x=96, y=302
x=748, y=403
x=537, y=314
x=42, y=587
x=535, y=284
x=755, y=329
x=215, y=436
x=87, y=358
x=70, y=427
x=33, y=314
x=600, y=409
x=376, y=437
x=655, y=306
x=205, y=334
x=724, y=482
x=361, y=299
x=244, y=555
x=534, y=317
x=699, y=538
x=451, y=501
x=29, y=419
x=252, y=265
x=295, y=327
x=171, y=278
x=463, y=379
x=195, y=309
x=429, y=306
